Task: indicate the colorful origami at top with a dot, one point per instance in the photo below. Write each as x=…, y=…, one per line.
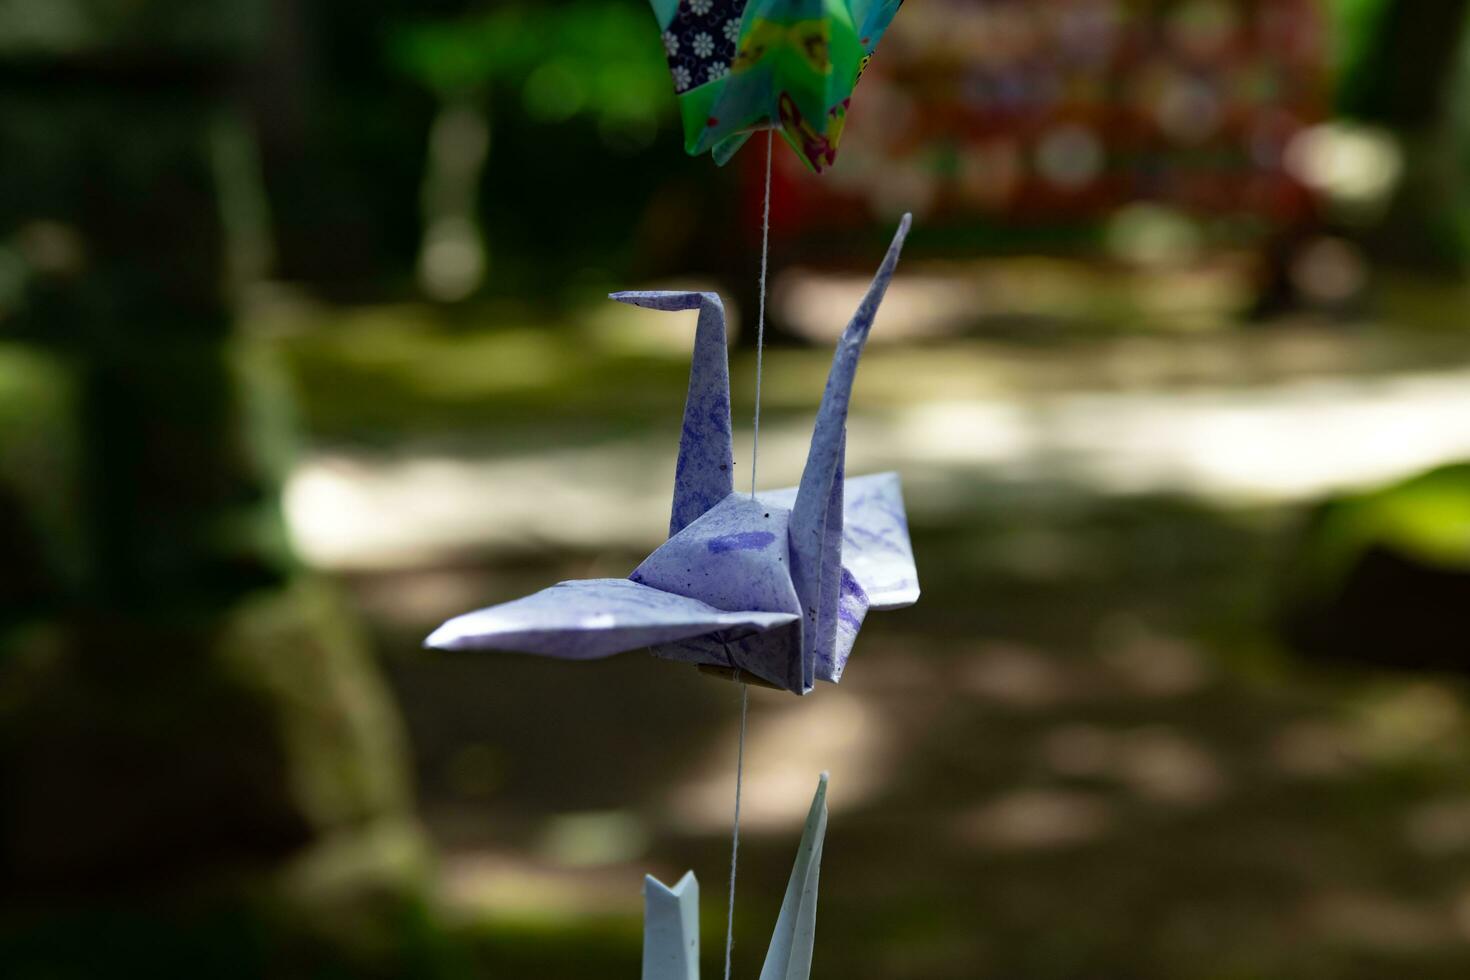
x=671, y=915
x=772, y=585
x=745, y=65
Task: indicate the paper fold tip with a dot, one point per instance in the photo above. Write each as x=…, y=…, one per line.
x=904, y=224
x=676, y=890
x=668, y=300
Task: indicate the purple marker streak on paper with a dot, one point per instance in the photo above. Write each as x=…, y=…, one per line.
x=852, y=609
x=853, y=596
x=876, y=546
x=741, y=541
x=734, y=557
x=875, y=540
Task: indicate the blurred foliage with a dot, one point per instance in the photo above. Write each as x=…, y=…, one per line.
x=236, y=738
x=392, y=934
x=1399, y=58
x=38, y=506
x=181, y=713
x=1353, y=23
x=576, y=97
x=1406, y=67
x=1427, y=517
x=595, y=58
x=71, y=28
x=1383, y=576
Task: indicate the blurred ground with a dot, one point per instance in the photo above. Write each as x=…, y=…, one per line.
x=1083, y=755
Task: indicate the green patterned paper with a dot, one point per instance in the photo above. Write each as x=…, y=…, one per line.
x=740, y=66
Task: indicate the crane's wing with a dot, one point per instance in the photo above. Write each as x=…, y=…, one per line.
x=877, y=561
x=875, y=541
x=590, y=618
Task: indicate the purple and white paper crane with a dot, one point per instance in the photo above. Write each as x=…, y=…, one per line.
x=774, y=585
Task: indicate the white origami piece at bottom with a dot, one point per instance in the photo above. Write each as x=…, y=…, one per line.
x=671, y=915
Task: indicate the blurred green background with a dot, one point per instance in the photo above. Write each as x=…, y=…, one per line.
x=303, y=348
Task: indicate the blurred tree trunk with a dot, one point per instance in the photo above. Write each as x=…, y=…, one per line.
x=179, y=703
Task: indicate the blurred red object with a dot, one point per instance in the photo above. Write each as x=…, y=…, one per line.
x=1047, y=112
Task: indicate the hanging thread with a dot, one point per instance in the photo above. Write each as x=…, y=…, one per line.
x=760, y=343
x=760, y=325
x=735, y=835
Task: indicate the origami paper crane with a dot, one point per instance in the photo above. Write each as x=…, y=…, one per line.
x=774, y=585
x=671, y=915
x=746, y=65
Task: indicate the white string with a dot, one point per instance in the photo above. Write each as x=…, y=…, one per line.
x=735, y=837
x=760, y=328
x=760, y=342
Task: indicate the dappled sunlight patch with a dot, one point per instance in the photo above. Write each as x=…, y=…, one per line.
x=448, y=364
x=789, y=739
x=1045, y=295
x=1158, y=764
x=1378, y=921
x=593, y=839
x=1038, y=819
x=1438, y=828
x=1162, y=765
x=392, y=851
x=1395, y=721
x=499, y=363
x=490, y=883
x=348, y=512
x=1016, y=676
x=1150, y=663
x=970, y=432
x=1295, y=440
x=428, y=595
x=1312, y=749
x=1460, y=910
x=955, y=371
x=916, y=305
x=1080, y=750
x=1285, y=443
